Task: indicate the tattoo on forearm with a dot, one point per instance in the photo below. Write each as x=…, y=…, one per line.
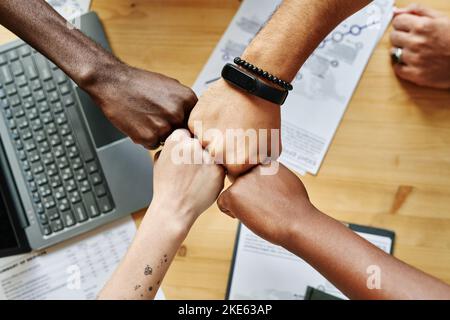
x=148, y=270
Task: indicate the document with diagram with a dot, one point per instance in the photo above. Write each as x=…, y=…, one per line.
x=324, y=86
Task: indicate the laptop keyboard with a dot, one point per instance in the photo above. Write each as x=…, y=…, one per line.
x=65, y=181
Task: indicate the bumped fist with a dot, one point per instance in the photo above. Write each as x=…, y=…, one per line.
x=269, y=205
x=424, y=36
x=144, y=105
x=185, y=178
x=235, y=127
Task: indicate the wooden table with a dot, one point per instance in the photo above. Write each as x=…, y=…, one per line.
x=388, y=166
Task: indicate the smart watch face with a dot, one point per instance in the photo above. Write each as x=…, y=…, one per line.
x=244, y=81
x=238, y=78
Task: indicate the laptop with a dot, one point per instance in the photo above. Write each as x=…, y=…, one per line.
x=64, y=168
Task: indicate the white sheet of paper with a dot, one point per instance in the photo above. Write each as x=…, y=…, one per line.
x=323, y=87
x=265, y=271
x=52, y=273
x=70, y=9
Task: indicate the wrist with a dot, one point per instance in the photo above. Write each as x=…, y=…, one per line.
x=260, y=55
x=155, y=221
x=179, y=216
x=249, y=100
x=297, y=230
x=96, y=74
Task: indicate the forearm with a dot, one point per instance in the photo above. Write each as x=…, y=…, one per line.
x=294, y=31
x=142, y=270
x=43, y=28
x=347, y=260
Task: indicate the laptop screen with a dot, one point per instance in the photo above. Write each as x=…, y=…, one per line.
x=8, y=238
x=12, y=236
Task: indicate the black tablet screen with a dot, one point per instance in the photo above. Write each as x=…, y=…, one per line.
x=8, y=238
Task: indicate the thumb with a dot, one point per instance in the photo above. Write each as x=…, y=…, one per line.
x=224, y=203
x=420, y=10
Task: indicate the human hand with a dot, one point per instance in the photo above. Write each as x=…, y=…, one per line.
x=269, y=205
x=223, y=107
x=424, y=36
x=144, y=105
x=186, y=180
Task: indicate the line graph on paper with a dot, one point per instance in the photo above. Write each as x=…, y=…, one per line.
x=341, y=47
x=373, y=14
x=355, y=30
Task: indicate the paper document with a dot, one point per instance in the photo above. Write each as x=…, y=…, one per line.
x=74, y=270
x=70, y=9
x=264, y=271
x=324, y=85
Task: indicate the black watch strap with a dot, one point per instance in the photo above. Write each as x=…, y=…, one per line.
x=245, y=81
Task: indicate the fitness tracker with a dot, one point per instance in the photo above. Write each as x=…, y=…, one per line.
x=239, y=78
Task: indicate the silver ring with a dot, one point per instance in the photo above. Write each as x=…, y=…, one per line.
x=397, y=55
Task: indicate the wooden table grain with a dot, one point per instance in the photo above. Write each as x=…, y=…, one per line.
x=388, y=165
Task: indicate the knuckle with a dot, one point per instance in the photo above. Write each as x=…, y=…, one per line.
x=396, y=22
x=423, y=25
x=393, y=36
x=177, y=117
x=416, y=46
x=417, y=27
x=421, y=75
x=190, y=97
x=224, y=199
x=427, y=25
x=420, y=43
x=174, y=112
x=163, y=129
x=150, y=139
x=420, y=61
x=233, y=193
x=418, y=77
x=414, y=60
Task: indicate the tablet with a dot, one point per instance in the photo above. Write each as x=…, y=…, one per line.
x=263, y=271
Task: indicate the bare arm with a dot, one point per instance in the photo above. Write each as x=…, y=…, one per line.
x=295, y=31
x=141, y=272
x=38, y=24
x=280, y=48
x=145, y=106
x=353, y=264
x=277, y=208
x=182, y=191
